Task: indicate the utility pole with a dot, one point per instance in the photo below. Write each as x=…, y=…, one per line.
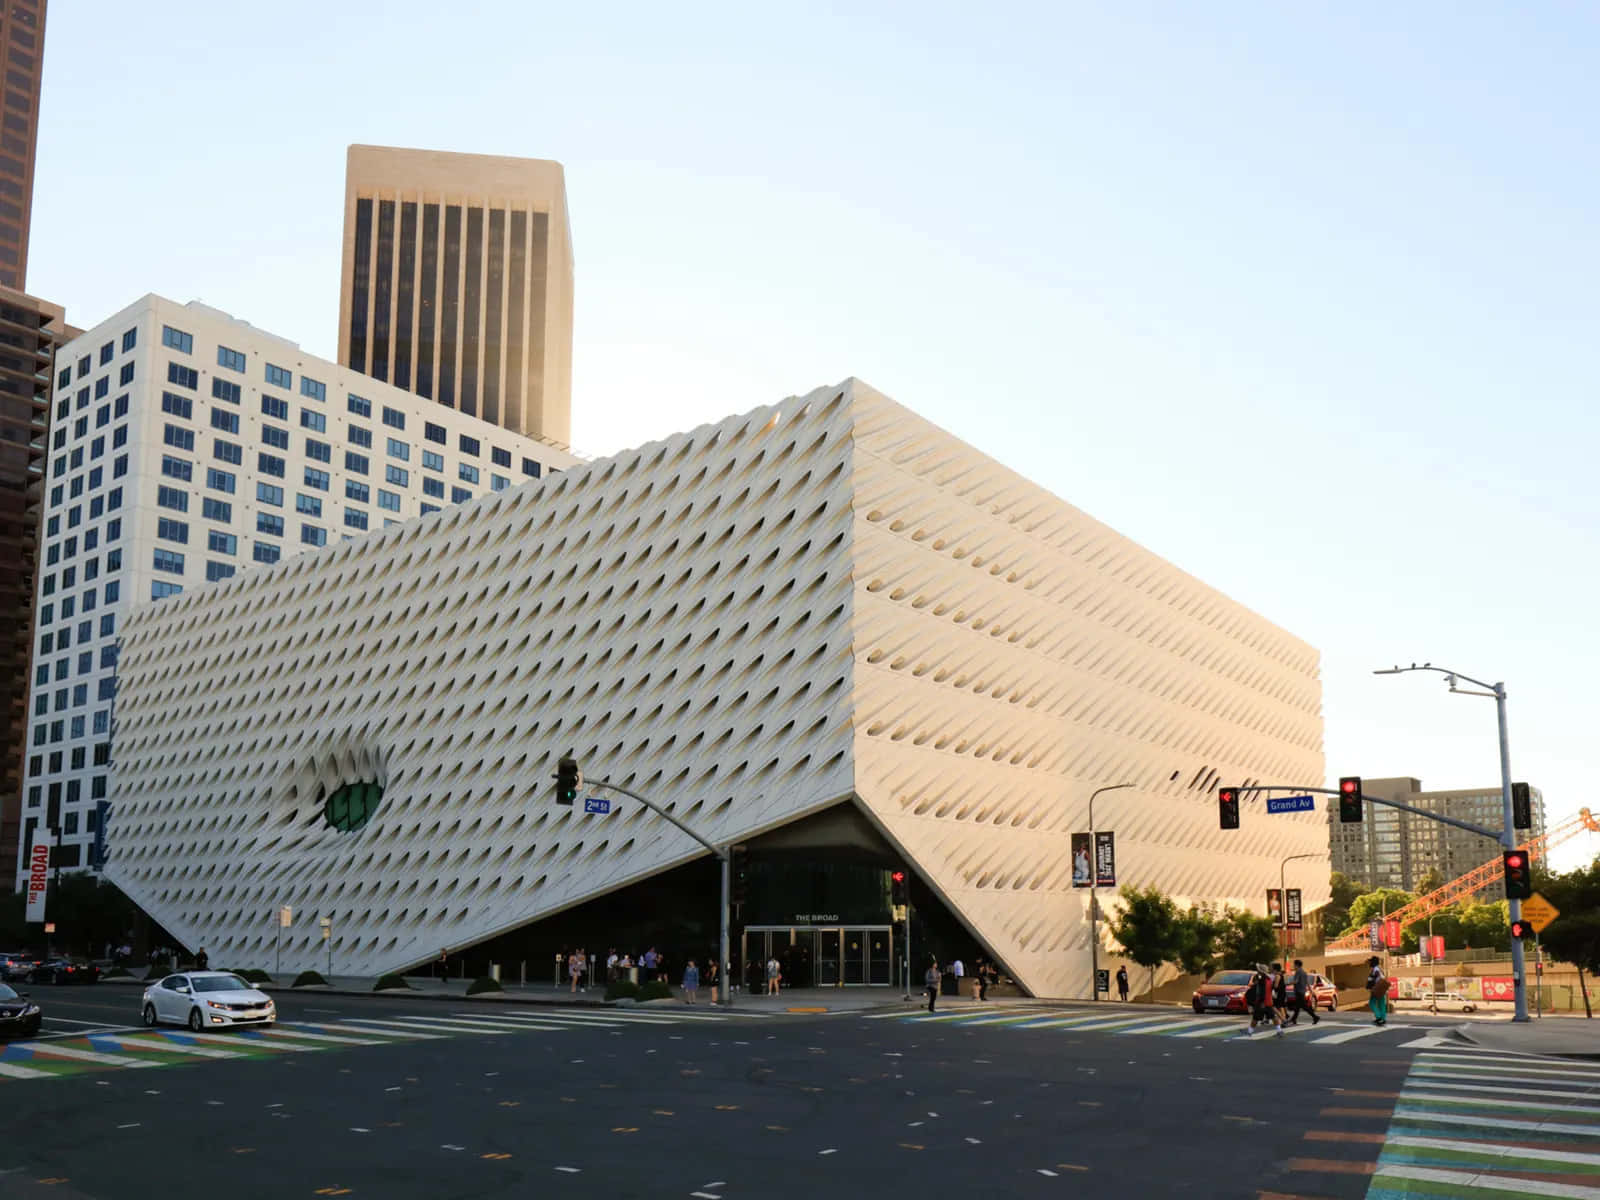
x=1094, y=896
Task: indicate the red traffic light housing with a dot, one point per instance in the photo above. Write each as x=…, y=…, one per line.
x=1519, y=874
x=1349, y=799
x=897, y=887
x=1228, y=807
x=1521, y=806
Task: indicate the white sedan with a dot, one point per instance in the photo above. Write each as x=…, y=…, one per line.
x=206, y=999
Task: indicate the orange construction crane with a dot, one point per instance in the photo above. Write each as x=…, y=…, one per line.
x=1475, y=880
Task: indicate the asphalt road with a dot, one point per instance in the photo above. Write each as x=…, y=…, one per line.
x=460, y=1100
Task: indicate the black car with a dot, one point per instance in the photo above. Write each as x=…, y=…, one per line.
x=64, y=970
x=15, y=964
x=19, y=1016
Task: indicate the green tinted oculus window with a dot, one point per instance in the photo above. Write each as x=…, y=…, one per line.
x=351, y=806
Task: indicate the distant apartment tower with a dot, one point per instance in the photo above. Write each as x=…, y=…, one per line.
x=1396, y=849
x=22, y=35
x=457, y=283
x=30, y=331
x=186, y=446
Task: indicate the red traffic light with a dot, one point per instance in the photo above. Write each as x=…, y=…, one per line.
x=1227, y=795
x=898, y=876
x=1513, y=860
x=1348, y=786
x=1521, y=930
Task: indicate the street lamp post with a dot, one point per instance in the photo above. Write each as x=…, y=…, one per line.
x=1283, y=898
x=1508, y=840
x=1094, y=902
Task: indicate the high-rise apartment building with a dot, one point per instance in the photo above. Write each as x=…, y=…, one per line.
x=1396, y=849
x=457, y=283
x=22, y=36
x=30, y=331
x=187, y=445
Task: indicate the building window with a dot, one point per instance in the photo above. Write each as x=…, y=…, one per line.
x=435, y=433
x=274, y=436
x=119, y=437
x=355, y=518
x=399, y=449
x=178, y=438
x=174, y=498
x=432, y=460
x=317, y=479
x=216, y=571
x=313, y=535
x=500, y=458
x=460, y=495
x=275, y=408
x=216, y=510
x=388, y=500
x=158, y=589
x=468, y=472
x=269, y=523
x=130, y=339
x=310, y=387
x=397, y=475
x=309, y=505
x=64, y=379
x=432, y=486
x=270, y=464
x=106, y=352
x=186, y=377
x=469, y=445
x=228, y=452
x=102, y=387
x=313, y=420
x=359, y=492
x=224, y=420
x=358, y=405
x=356, y=462
x=219, y=481
x=269, y=493
x=499, y=482
x=394, y=418
x=176, y=339
x=178, y=406
x=226, y=389
x=265, y=552
x=360, y=437
x=232, y=359
x=125, y=376
x=176, y=468
x=320, y=451
x=169, y=561
x=172, y=531
x=120, y=406
x=278, y=377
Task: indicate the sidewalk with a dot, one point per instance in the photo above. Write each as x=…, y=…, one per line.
x=1571, y=1037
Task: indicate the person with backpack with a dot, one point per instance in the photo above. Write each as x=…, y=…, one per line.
x=1258, y=998
x=1280, y=998
x=1378, y=989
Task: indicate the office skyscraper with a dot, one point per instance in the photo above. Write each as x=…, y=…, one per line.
x=457, y=283
x=22, y=35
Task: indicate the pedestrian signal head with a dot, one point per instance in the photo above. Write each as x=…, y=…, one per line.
x=1521, y=929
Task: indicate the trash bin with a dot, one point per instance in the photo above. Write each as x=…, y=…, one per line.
x=494, y=972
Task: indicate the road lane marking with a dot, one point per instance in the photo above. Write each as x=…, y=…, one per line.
x=1343, y=1135
x=93, y=1056
x=1332, y=1166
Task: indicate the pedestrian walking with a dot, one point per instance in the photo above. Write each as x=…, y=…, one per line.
x=1304, y=1001
x=1122, y=984
x=774, y=974
x=1378, y=990
x=1258, y=997
x=575, y=966
x=930, y=982
x=691, y=983
x=1280, y=998
x=201, y=961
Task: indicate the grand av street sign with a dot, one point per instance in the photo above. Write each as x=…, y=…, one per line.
x=1283, y=804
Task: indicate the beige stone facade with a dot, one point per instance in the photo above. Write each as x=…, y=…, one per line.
x=456, y=283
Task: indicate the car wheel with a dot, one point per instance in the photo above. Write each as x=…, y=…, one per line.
x=196, y=1021
x=33, y=1030
x=149, y=1015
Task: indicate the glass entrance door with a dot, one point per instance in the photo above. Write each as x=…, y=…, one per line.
x=828, y=957
x=879, y=958
x=855, y=955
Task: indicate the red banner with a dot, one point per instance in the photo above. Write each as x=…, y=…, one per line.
x=1391, y=934
x=1499, y=987
x=1436, y=947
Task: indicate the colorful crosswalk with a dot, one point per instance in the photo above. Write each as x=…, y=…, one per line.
x=138, y=1047
x=1491, y=1125
x=1169, y=1024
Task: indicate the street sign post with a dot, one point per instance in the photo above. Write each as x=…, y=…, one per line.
x=1289, y=804
x=1539, y=912
x=1102, y=981
x=597, y=804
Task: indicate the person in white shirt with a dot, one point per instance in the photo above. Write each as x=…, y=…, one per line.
x=957, y=969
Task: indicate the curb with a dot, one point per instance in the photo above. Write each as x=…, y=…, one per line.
x=1463, y=1033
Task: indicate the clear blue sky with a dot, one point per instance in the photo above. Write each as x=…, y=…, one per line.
x=1302, y=299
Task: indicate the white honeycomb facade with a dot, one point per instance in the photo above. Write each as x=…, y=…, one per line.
x=825, y=600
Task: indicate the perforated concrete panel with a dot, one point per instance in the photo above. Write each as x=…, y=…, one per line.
x=825, y=600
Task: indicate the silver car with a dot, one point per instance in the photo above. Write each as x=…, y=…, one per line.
x=206, y=1000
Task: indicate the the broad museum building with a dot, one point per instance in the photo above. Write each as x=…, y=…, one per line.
x=824, y=631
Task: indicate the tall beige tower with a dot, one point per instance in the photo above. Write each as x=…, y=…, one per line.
x=456, y=283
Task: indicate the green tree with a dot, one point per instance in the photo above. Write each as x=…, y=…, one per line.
x=1574, y=936
x=1371, y=906
x=1431, y=882
x=1485, y=926
x=1342, y=892
x=1246, y=939
x=1147, y=929
x=1199, y=934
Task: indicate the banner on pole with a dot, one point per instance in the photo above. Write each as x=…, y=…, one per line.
x=1392, y=934
x=1082, y=868
x=1275, y=906
x=1105, y=859
x=1375, y=934
x=38, y=880
x=1291, y=908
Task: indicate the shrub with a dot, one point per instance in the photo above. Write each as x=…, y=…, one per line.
x=256, y=975
x=483, y=984
x=654, y=990
x=157, y=971
x=389, y=983
x=622, y=989
x=308, y=979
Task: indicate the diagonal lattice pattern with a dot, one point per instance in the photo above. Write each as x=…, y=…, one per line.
x=824, y=600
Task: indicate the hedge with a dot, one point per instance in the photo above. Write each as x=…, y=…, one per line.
x=483, y=984
x=654, y=990
x=308, y=979
x=389, y=983
x=622, y=989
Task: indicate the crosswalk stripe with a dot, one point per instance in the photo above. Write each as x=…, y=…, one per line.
x=1223, y=1027
x=501, y=1025
x=1496, y=1150
x=1348, y=1035
x=1174, y=1026
x=1494, y=1121
x=1435, y=1085
x=332, y=1038
x=1498, y=1103
x=161, y=1044
x=1113, y=1023
x=421, y=1023
x=1472, y=1183
x=54, y=1050
x=653, y=1016
x=1451, y=1070
x=1531, y=1061
x=12, y=1071
x=355, y=1025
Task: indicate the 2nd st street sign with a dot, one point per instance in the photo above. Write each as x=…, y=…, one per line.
x=596, y=804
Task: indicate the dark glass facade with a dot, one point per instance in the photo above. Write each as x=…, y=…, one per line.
x=22, y=36
x=382, y=282
x=361, y=295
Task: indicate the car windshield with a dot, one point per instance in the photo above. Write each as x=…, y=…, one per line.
x=6, y=993
x=220, y=983
x=1231, y=977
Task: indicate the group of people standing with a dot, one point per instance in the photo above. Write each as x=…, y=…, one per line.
x=1279, y=997
x=581, y=967
x=984, y=975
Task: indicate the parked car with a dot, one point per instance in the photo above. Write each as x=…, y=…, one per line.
x=1323, y=993
x=205, y=1000
x=64, y=970
x=1453, y=1001
x=1223, y=993
x=19, y=1016
x=16, y=964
